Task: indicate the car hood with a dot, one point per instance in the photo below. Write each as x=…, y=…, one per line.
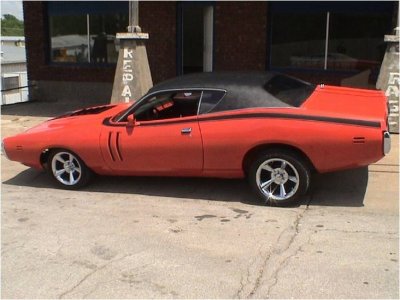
x=81, y=117
x=87, y=111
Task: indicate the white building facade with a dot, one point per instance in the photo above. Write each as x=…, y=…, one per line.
x=14, y=79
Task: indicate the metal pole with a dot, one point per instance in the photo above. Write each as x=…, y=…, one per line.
x=326, y=41
x=88, y=34
x=208, y=18
x=133, y=17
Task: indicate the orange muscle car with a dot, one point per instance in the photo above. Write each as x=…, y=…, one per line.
x=273, y=129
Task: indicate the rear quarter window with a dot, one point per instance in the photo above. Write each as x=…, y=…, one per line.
x=289, y=90
x=210, y=99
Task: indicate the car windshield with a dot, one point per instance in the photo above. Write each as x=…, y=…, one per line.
x=117, y=117
x=289, y=90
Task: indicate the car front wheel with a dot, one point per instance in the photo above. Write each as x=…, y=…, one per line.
x=279, y=177
x=68, y=169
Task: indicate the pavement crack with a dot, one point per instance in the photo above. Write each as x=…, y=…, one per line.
x=6, y=250
x=241, y=287
x=95, y=287
x=358, y=231
x=88, y=275
x=260, y=275
x=281, y=265
x=245, y=280
x=281, y=248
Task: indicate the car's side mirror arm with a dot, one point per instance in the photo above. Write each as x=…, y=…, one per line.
x=130, y=121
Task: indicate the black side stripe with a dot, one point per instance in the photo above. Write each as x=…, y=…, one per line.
x=298, y=117
x=260, y=115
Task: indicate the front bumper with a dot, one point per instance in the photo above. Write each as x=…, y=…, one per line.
x=386, y=142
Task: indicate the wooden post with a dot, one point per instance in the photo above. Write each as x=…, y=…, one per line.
x=132, y=74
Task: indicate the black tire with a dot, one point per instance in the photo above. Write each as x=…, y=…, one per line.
x=68, y=170
x=276, y=168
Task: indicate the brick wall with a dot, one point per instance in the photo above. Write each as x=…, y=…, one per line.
x=240, y=35
x=239, y=45
x=34, y=38
x=156, y=18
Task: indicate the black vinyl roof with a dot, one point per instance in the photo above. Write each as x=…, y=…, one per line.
x=243, y=89
x=221, y=80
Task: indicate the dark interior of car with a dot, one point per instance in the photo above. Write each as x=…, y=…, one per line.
x=177, y=105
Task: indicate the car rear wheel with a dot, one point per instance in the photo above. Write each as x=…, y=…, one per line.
x=68, y=169
x=279, y=177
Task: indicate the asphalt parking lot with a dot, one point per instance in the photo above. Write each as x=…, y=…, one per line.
x=141, y=237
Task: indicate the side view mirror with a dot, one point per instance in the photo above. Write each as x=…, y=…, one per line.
x=131, y=120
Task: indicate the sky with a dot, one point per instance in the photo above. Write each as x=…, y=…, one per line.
x=12, y=8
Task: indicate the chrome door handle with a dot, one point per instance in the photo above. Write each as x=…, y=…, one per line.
x=187, y=130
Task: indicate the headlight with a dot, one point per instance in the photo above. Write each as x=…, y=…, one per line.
x=3, y=149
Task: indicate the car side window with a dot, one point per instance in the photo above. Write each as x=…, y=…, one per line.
x=168, y=105
x=210, y=99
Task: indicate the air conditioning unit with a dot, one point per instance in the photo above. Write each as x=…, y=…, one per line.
x=14, y=88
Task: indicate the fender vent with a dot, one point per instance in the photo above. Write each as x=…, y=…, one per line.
x=117, y=146
x=358, y=140
x=113, y=147
x=109, y=146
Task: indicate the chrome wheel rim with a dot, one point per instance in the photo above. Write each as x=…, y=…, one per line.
x=66, y=168
x=277, y=179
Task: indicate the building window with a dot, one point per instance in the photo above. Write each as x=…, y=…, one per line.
x=195, y=36
x=295, y=37
x=85, y=32
x=336, y=36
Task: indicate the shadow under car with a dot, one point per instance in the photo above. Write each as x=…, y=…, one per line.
x=344, y=188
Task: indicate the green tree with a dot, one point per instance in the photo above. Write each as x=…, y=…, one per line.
x=11, y=26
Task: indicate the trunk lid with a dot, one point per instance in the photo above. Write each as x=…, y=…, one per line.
x=349, y=102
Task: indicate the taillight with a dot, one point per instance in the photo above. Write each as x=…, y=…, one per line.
x=386, y=142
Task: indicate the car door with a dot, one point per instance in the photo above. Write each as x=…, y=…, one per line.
x=164, y=139
x=224, y=135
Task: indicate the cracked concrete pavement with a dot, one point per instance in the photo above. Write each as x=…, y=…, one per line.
x=195, y=238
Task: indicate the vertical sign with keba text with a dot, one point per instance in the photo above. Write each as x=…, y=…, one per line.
x=127, y=74
x=392, y=94
x=389, y=79
x=132, y=75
